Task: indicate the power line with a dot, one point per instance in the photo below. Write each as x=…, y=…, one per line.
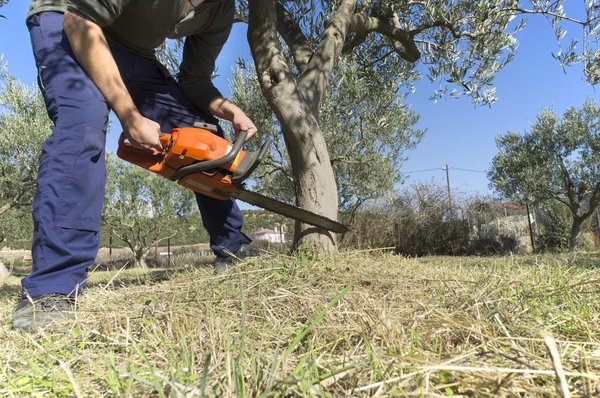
x=471, y=171
x=443, y=169
x=422, y=171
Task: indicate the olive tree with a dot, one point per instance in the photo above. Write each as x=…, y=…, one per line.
x=558, y=159
x=366, y=126
x=24, y=126
x=296, y=46
x=139, y=205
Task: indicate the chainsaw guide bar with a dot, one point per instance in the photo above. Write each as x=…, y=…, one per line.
x=288, y=210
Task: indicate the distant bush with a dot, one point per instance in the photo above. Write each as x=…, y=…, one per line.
x=418, y=223
x=553, y=232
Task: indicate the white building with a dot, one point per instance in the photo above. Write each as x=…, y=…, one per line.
x=270, y=235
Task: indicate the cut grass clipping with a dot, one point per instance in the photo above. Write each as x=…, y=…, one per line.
x=360, y=324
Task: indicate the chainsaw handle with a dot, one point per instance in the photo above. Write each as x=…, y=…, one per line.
x=164, y=139
x=211, y=164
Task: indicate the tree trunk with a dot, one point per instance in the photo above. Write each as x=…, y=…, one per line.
x=3, y=270
x=575, y=231
x=138, y=258
x=315, y=183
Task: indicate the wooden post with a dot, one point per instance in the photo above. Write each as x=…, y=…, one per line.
x=530, y=229
x=156, y=245
x=169, y=250
x=110, y=243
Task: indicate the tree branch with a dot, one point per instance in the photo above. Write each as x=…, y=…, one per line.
x=447, y=25
x=404, y=43
x=549, y=13
x=358, y=39
x=315, y=79
x=556, y=195
x=166, y=237
x=294, y=38
x=474, y=35
x=573, y=198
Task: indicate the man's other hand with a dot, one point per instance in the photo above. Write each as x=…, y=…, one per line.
x=241, y=122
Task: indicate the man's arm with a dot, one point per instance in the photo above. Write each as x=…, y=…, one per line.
x=92, y=51
x=225, y=109
x=199, y=56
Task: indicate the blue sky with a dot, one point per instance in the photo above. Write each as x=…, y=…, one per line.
x=458, y=134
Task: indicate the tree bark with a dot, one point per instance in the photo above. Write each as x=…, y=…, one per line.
x=3, y=270
x=315, y=184
x=575, y=231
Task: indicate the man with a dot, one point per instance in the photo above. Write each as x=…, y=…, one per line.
x=95, y=56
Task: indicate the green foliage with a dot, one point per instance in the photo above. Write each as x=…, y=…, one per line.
x=169, y=54
x=140, y=206
x=187, y=229
x=553, y=233
x=558, y=159
x=263, y=219
x=183, y=230
x=16, y=228
x=25, y=125
x=367, y=130
x=462, y=44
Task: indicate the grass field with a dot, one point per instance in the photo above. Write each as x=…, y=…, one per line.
x=361, y=324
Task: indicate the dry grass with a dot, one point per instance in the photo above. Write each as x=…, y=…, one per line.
x=362, y=324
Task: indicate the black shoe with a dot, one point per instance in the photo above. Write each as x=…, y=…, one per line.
x=34, y=313
x=223, y=264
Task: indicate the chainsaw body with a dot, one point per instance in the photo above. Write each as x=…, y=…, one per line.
x=197, y=159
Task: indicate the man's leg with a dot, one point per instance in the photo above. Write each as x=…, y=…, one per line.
x=70, y=185
x=161, y=100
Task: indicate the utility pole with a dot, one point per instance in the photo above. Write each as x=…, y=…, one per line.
x=449, y=195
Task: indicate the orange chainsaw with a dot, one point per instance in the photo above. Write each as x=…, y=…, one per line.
x=200, y=160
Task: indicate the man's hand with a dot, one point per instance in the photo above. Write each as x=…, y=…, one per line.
x=225, y=109
x=142, y=132
x=241, y=122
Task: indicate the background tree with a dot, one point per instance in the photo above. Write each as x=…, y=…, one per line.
x=296, y=46
x=557, y=159
x=24, y=125
x=140, y=205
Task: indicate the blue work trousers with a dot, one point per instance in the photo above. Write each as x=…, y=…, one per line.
x=68, y=202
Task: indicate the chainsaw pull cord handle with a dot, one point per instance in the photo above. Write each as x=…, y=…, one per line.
x=164, y=138
x=211, y=164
